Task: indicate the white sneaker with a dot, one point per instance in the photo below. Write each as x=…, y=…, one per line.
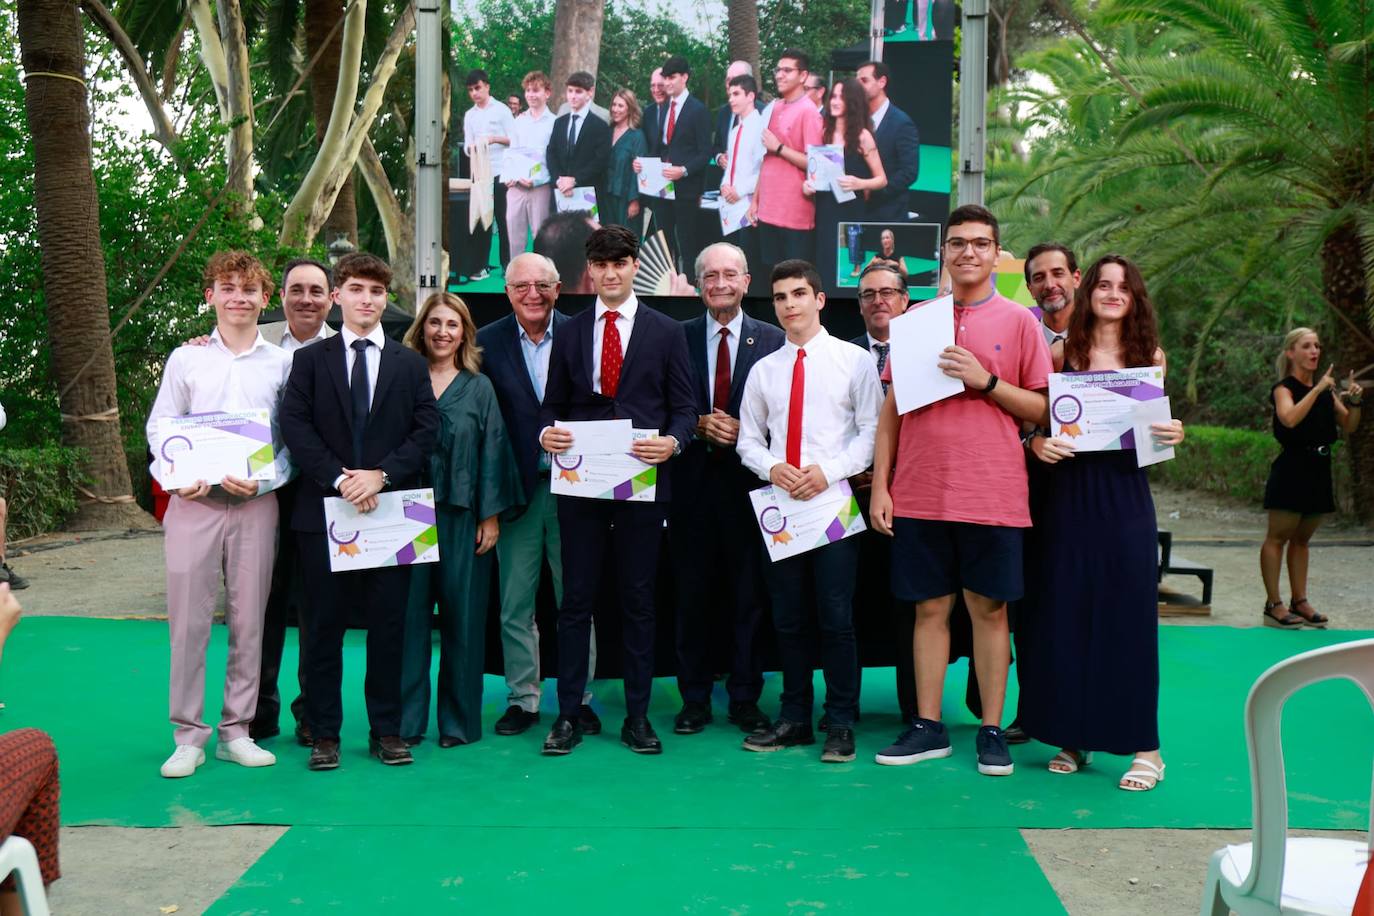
x=245, y=752
x=183, y=761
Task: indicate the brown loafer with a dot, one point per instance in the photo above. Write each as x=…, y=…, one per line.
x=390, y=750
x=324, y=754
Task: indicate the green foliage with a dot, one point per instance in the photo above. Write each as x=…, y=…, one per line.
x=1229, y=462
x=818, y=27
x=39, y=487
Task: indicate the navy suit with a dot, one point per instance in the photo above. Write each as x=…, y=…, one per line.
x=317, y=426
x=655, y=391
x=899, y=148
x=690, y=148
x=587, y=160
x=716, y=541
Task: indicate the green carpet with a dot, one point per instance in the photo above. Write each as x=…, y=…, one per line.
x=99, y=687
x=578, y=870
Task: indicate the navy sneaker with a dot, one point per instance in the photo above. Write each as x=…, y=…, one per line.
x=926, y=739
x=993, y=757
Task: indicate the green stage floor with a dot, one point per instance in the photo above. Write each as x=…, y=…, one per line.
x=706, y=827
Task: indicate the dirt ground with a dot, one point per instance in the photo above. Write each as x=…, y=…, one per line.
x=120, y=574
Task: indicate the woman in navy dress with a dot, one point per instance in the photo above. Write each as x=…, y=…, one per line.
x=845, y=123
x=1088, y=628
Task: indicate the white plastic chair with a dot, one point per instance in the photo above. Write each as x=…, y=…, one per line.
x=1273, y=874
x=17, y=855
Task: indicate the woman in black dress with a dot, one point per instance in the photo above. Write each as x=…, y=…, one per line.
x=1088, y=627
x=846, y=124
x=1298, y=493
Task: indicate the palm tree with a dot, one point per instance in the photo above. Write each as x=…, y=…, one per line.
x=577, y=28
x=50, y=41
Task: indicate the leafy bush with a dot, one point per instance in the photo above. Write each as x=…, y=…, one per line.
x=39, y=484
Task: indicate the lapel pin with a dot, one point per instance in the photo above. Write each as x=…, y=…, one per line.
x=749, y=341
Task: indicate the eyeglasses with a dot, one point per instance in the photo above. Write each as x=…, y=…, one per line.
x=959, y=246
x=886, y=293
x=729, y=276
x=521, y=288
x=786, y=70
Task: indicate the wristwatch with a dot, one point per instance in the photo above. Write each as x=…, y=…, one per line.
x=992, y=383
x=386, y=479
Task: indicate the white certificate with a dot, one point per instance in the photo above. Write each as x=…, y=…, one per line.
x=734, y=216
x=1096, y=411
x=917, y=339
x=211, y=446
x=401, y=531
x=793, y=526
x=824, y=166
x=581, y=199
x=621, y=476
x=524, y=162
x=599, y=437
x=651, y=180
x=1147, y=450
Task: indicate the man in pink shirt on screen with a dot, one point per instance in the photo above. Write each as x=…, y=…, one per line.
x=785, y=216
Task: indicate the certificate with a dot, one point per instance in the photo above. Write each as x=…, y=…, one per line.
x=1147, y=450
x=621, y=476
x=401, y=531
x=211, y=446
x=917, y=338
x=524, y=163
x=581, y=199
x=824, y=166
x=793, y=526
x=599, y=437
x=1096, y=411
x=651, y=180
x=734, y=216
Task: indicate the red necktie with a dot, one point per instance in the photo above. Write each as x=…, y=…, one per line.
x=611, y=357
x=734, y=154
x=672, y=120
x=721, y=399
x=794, y=411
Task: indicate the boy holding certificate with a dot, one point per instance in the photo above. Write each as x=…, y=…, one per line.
x=226, y=526
x=807, y=423
x=953, y=493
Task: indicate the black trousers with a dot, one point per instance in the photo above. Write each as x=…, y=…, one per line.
x=719, y=586
x=777, y=244
x=666, y=221
x=287, y=592
x=828, y=574
x=498, y=224
x=632, y=533
x=382, y=595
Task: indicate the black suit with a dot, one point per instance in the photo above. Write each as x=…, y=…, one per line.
x=690, y=147
x=588, y=160
x=716, y=541
x=899, y=148
x=655, y=391
x=317, y=425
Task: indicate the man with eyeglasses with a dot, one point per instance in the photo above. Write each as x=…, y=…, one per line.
x=785, y=216
x=816, y=91
x=716, y=548
x=949, y=484
x=515, y=356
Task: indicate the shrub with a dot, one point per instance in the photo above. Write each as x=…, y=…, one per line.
x=39, y=484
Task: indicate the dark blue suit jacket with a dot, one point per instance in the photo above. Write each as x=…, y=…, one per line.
x=504, y=363
x=655, y=381
x=689, y=148
x=317, y=423
x=899, y=148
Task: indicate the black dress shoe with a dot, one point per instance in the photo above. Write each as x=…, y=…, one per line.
x=588, y=721
x=639, y=736
x=516, y=721
x=783, y=734
x=324, y=754
x=839, y=745
x=749, y=718
x=447, y=741
x=824, y=724
x=413, y=740
x=565, y=735
x=692, y=719
x=390, y=750
x=263, y=731
x=303, y=735
x=1015, y=734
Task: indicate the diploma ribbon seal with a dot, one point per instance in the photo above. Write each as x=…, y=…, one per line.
x=568, y=471
x=347, y=542
x=1067, y=410
x=169, y=454
x=772, y=521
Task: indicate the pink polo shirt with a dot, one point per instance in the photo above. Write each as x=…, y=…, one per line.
x=781, y=201
x=961, y=459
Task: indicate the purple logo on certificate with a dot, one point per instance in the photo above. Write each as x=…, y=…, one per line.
x=774, y=523
x=1067, y=410
x=347, y=541
x=567, y=467
x=169, y=453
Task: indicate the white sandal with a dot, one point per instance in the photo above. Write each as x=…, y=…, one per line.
x=1151, y=776
x=1069, y=762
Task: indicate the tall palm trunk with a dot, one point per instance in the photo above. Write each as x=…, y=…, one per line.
x=577, y=39
x=50, y=42
x=1343, y=283
x=743, y=31
x=320, y=18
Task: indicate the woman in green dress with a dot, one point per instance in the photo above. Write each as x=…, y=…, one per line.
x=621, y=207
x=475, y=480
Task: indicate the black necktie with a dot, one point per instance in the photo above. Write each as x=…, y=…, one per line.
x=572, y=131
x=882, y=349
x=358, y=388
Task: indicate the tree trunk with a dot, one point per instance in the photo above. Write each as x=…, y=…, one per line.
x=1343, y=283
x=212, y=55
x=50, y=42
x=320, y=18
x=744, y=33
x=162, y=125
x=576, y=39
x=240, y=101
x=397, y=225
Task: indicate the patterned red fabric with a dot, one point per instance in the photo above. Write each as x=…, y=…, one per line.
x=611, y=357
x=29, y=797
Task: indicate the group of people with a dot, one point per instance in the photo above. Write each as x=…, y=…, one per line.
x=734, y=403
x=746, y=152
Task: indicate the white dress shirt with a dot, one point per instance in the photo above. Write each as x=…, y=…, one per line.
x=531, y=132
x=493, y=121
x=878, y=115
x=713, y=329
x=625, y=324
x=290, y=344
x=213, y=378
x=839, y=408
x=751, y=153
x=374, y=356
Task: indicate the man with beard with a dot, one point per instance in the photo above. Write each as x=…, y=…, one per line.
x=1051, y=277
